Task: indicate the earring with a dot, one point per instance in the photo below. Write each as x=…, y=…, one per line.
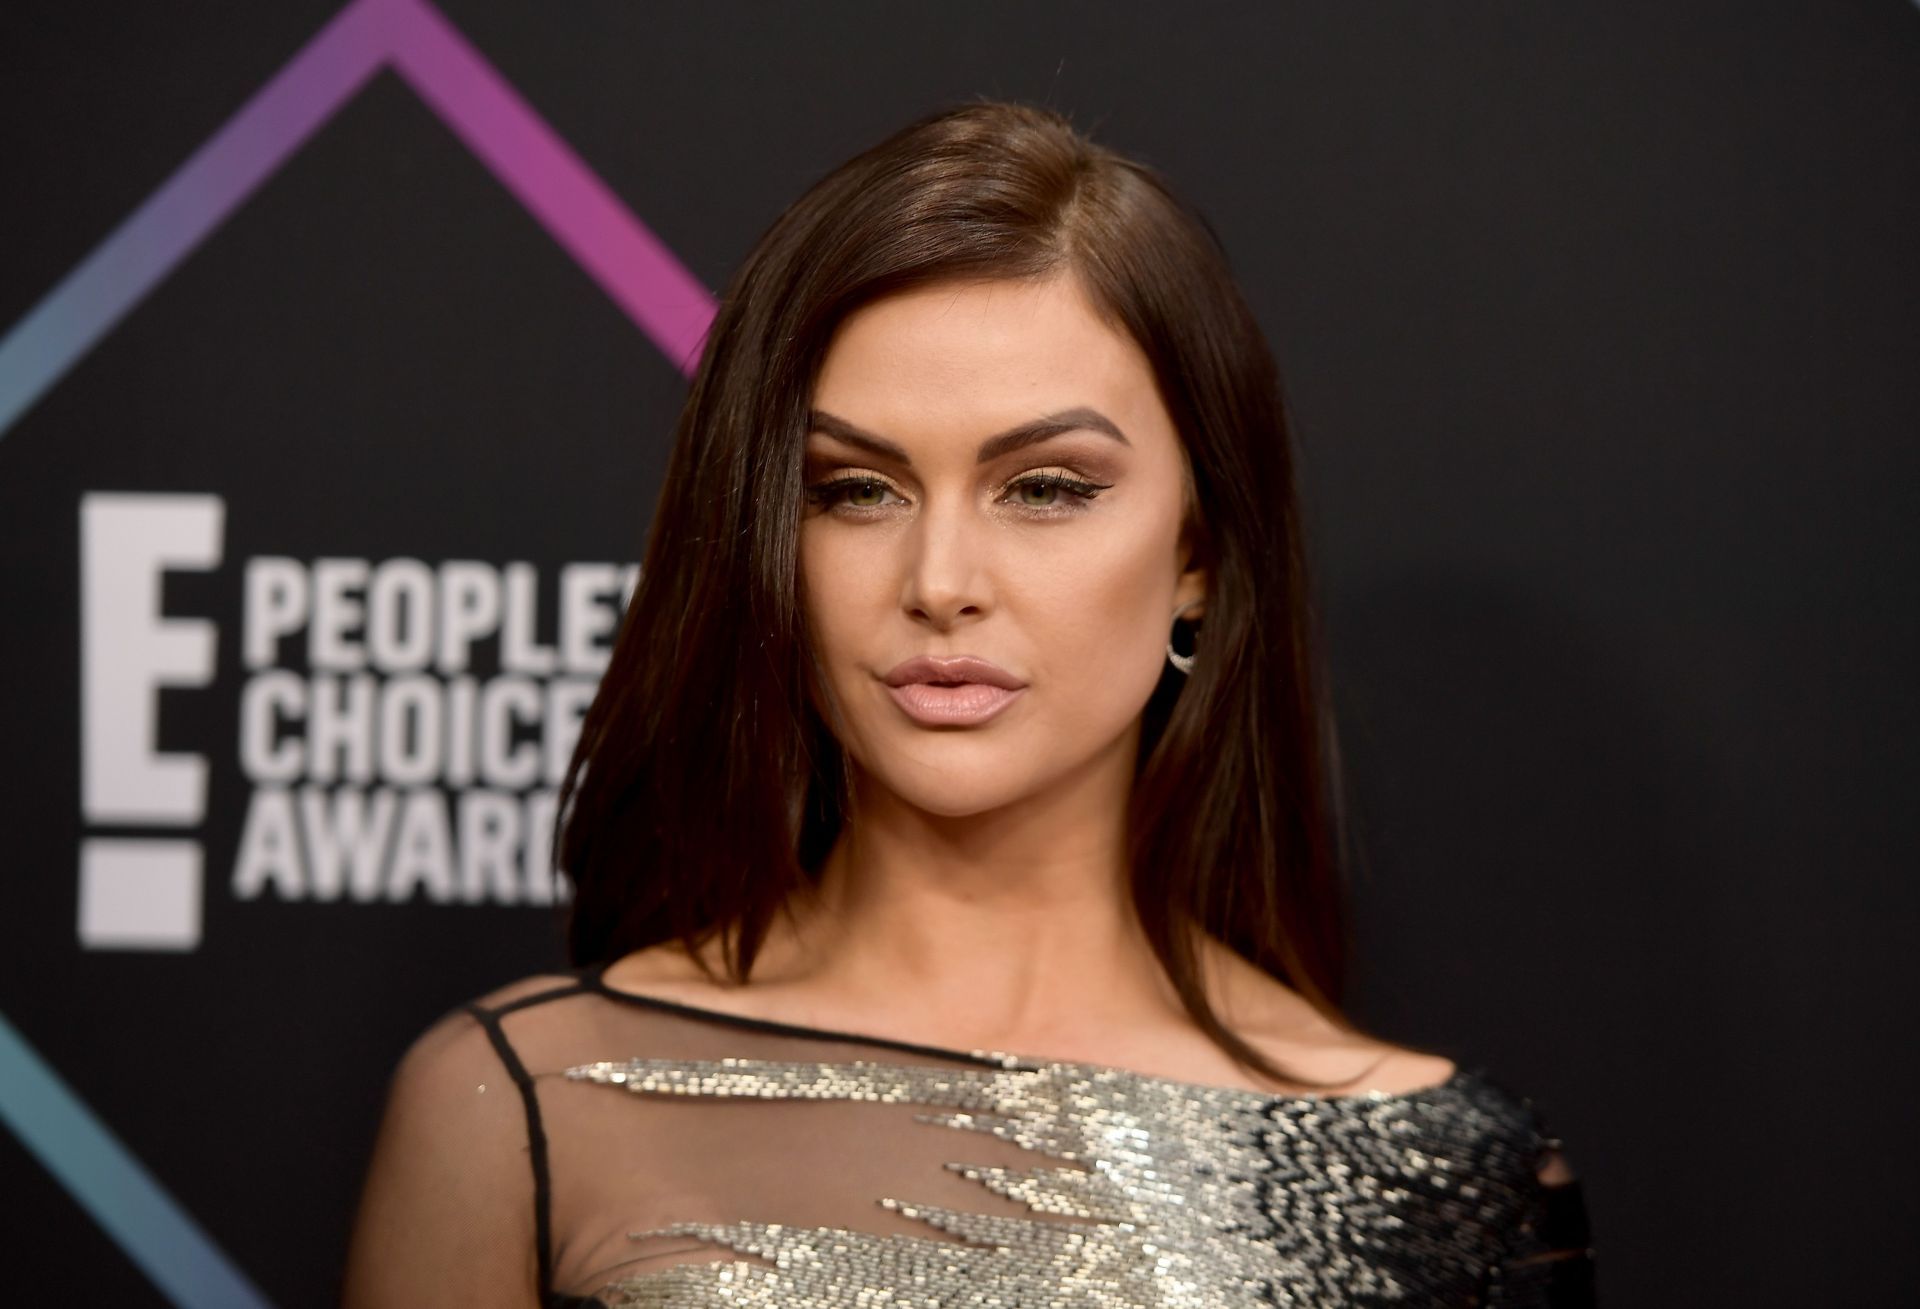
x=1183, y=662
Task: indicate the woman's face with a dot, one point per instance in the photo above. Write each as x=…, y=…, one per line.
x=991, y=477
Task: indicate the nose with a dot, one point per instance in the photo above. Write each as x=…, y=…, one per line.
x=946, y=580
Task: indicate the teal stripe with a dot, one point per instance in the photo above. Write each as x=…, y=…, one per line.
x=109, y=1183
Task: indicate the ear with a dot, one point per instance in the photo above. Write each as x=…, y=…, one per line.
x=1191, y=589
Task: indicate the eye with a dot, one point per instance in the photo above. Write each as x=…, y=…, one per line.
x=862, y=495
x=1053, y=491
x=858, y=491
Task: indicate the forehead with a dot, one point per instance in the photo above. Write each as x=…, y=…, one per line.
x=967, y=358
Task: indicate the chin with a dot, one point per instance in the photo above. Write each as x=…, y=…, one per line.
x=960, y=787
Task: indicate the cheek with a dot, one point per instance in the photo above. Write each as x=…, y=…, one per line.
x=846, y=596
x=1101, y=627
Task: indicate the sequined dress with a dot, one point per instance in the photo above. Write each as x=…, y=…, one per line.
x=683, y=1158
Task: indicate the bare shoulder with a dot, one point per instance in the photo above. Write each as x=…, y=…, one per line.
x=1400, y=1069
x=1340, y=1059
x=670, y=973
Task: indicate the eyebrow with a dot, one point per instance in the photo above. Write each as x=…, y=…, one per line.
x=1078, y=419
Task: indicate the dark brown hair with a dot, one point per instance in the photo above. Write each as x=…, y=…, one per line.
x=705, y=788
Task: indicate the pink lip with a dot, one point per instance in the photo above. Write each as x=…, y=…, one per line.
x=960, y=691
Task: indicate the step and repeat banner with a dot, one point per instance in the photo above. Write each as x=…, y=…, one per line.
x=340, y=348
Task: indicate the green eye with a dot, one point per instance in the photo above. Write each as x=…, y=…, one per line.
x=1052, y=492
x=850, y=493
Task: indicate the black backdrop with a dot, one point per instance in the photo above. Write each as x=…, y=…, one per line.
x=1600, y=332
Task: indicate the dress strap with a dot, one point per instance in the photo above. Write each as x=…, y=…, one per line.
x=489, y=1020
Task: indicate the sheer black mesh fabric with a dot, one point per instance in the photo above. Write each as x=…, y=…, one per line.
x=654, y=1154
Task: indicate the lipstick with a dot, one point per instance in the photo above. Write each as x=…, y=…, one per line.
x=952, y=691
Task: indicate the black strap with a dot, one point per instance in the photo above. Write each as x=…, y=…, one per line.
x=536, y=1140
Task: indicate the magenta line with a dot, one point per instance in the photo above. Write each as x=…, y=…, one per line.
x=631, y=264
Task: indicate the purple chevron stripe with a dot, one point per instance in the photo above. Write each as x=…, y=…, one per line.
x=630, y=263
x=575, y=206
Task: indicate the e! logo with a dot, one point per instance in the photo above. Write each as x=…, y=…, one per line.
x=140, y=893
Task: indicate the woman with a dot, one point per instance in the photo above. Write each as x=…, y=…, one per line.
x=954, y=910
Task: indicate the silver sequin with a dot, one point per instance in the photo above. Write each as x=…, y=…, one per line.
x=1146, y=1193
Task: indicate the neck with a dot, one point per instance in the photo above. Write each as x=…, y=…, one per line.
x=1009, y=928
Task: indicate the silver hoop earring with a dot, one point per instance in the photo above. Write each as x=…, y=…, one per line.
x=1182, y=662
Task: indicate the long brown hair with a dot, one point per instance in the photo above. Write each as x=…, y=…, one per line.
x=705, y=788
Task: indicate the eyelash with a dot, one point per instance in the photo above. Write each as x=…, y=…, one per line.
x=831, y=493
